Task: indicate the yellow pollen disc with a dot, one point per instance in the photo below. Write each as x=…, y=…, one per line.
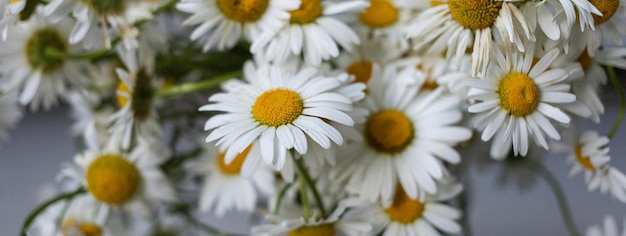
x=112, y=179
x=519, y=94
x=308, y=12
x=608, y=9
x=15, y=1
x=243, y=10
x=584, y=161
x=389, y=131
x=475, y=14
x=585, y=60
x=121, y=100
x=277, y=107
x=362, y=71
x=403, y=209
x=316, y=230
x=235, y=166
x=379, y=14
x=90, y=230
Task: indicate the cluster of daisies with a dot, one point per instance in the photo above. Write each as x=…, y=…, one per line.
x=333, y=117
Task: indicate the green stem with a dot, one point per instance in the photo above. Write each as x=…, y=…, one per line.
x=309, y=181
x=197, y=86
x=33, y=215
x=177, y=161
x=304, y=197
x=622, y=101
x=183, y=210
x=279, y=199
x=560, y=197
x=55, y=53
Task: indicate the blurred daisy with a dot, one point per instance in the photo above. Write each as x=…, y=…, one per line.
x=83, y=218
x=10, y=113
x=516, y=97
x=41, y=78
x=609, y=26
x=407, y=136
x=608, y=228
x=11, y=15
x=459, y=24
x=372, y=50
x=117, y=180
x=431, y=71
x=225, y=21
x=315, y=31
x=280, y=109
x=388, y=18
x=540, y=14
x=225, y=187
x=589, y=151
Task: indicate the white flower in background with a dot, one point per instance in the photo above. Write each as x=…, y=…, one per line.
x=315, y=31
x=609, y=27
x=10, y=113
x=225, y=186
x=25, y=66
x=89, y=121
x=224, y=22
x=126, y=181
x=10, y=16
x=407, y=136
x=387, y=19
x=280, y=109
x=589, y=151
x=540, y=14
x=431, y=71
x=459, y=24
x=84, y=218
x=515, y=101
x=608, y=228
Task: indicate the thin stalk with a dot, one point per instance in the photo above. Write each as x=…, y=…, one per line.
x=33, y=215
x=304, y=197
x=622, y=101
x=279, y=199
x=198, y=86
x=309, y=181
x=54, y=53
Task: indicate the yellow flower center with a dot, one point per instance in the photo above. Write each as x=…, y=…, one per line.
x=235, y=166
x=112, y=179
x=316, y=230
x=379, y=14
x=308, y=12
x=243, y=10
x=584, y=161
x=38, y=43
x=389, y=131
x=475, y=14
x=122, y=100
x=362, y=71
x=585, y=60
x=608, y=9
x=71, y=228
x=403, y=209
x=141, y=95
x=277, y=107
x=519, y=94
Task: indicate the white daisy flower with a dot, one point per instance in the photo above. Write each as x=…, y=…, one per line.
x=280, y=109
x=609, y=26
x=118, y=180
x=10, y=17
x=224, y=22
x=315, y=32
x=407, y=136
x=608, y=228
x=609, y=180
x=10, y=113
x=516, y=97
x=388, y=18
x=589, y=151
x=24, y=64
x=407, y=216
x=540, y=13
x=83, y=218
x=459, y=24
x=430, y=71
x=225, y=187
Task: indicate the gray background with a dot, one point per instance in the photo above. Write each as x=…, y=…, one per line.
x=41, y=143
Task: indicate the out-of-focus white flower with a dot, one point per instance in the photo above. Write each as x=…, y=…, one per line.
x=10, y=113
x=608, y=228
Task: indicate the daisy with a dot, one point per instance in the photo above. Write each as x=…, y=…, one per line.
x=388, y=18
x=408, y=135
x=540, y=14
x=10, y=17
x=315, y=31
x=280, y=109
x=609, y=228
x=127, y=181
x=459, y=24
x=406, y=216
x=224, y=22
x=10, y=113
x=25, y=66
x=83, y=218
x=516, y=97
x=430, y=71
x=225, y=187
x=609, y=26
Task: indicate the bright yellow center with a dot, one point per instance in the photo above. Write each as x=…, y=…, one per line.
x=243, y=10
x=608, y=9
x=584, y=161
x=71, y=228
x=316, y=230
x=519, y=94
x=475, y=14
x=389, y=131
x=585, y=60
x=235, y=166
x=277, y=107
x=379, y=14
x=122, y=100
x=112, y=179
x=403, y=209
x=308, y=12
x=15, y=1
x=362, y=71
